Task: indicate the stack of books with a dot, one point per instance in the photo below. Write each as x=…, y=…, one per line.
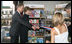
x=34, y=20
x=35, y=40
x=37, y=13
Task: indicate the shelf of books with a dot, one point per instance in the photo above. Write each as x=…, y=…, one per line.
x=36, y=18
x=6, y=19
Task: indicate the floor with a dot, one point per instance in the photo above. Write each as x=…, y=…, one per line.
x=8, y=40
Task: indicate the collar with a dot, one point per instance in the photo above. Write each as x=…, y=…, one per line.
x=18, y=12
x=26, y=14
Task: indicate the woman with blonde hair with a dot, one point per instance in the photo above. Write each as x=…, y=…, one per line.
x=59, y=34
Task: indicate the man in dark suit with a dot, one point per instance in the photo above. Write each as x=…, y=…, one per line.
x=16, y=29
x=68, y=10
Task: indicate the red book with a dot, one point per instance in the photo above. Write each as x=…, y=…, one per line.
x=30, y=20
x=37, y=21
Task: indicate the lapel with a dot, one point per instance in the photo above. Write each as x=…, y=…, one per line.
x=18, y=13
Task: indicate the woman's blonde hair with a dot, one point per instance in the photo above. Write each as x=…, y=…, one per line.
x=58, y=19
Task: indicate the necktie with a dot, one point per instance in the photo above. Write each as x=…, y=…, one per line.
x=21, y=14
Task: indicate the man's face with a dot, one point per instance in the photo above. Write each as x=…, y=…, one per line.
x=68, y=11
x=21, y=8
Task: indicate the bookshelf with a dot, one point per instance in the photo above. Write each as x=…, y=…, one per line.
x=36, y=18
x=36, y=36
x=6, y=18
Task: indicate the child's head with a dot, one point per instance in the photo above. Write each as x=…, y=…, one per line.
x=58, y=19
x=27, y=10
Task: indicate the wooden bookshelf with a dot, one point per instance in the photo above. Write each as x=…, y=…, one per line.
x=35, y=36
x=6, y=18
x=67, y=18
x=37, y=17
x=38, y=8
x=7, y=38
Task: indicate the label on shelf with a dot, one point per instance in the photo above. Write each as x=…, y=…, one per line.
x=34, y=5
x=61, y=5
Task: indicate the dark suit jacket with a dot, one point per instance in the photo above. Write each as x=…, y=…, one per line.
x=69, y=30
x=19, y=24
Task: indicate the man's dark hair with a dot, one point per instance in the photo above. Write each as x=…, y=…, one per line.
x=26, y=8
x=68, y=6
x=20, y=5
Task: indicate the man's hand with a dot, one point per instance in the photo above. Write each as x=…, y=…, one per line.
x=34, y=27
x=37, y=27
